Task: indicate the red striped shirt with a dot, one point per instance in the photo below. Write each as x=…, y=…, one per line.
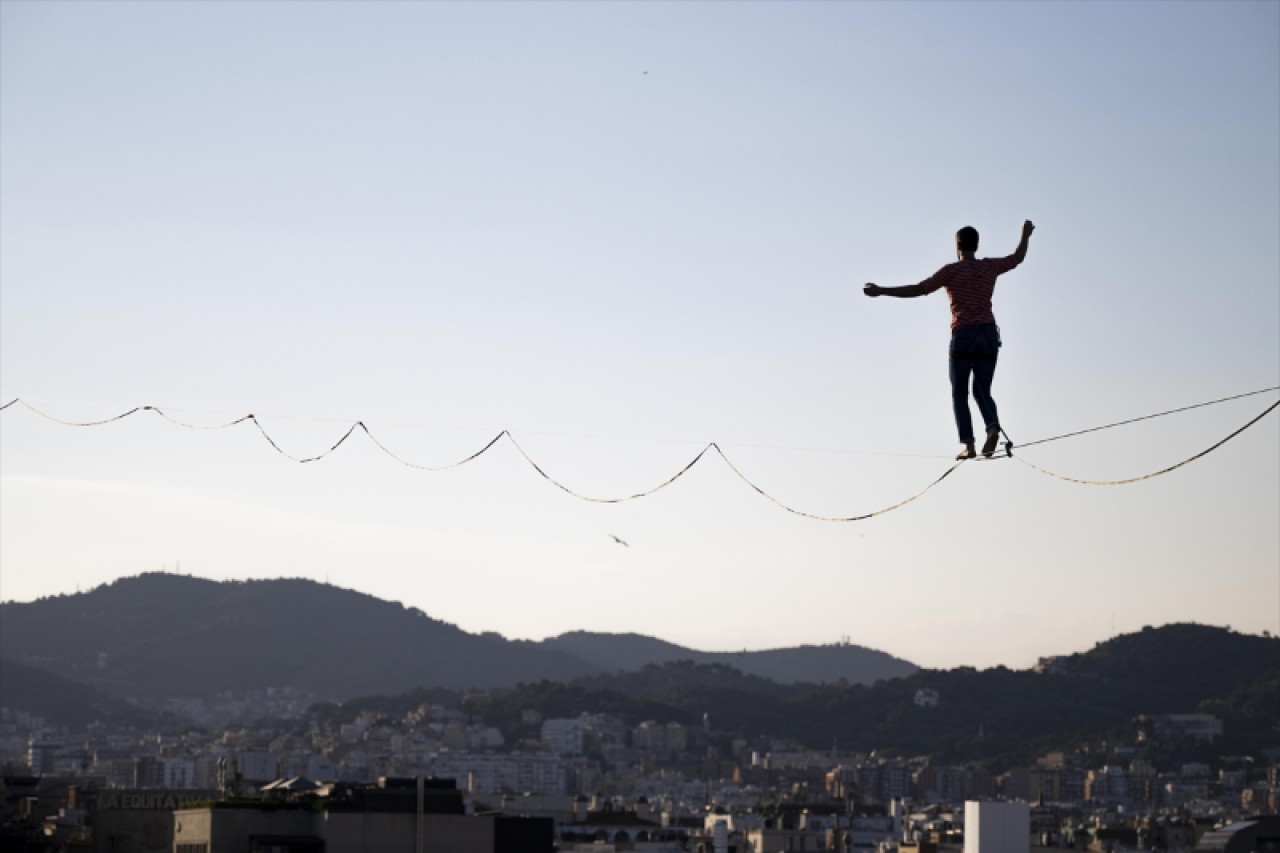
x=969, y=285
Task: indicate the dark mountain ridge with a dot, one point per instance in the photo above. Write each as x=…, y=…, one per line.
x=159, y=636
x=998, y=716
x=63, y=702
x=801, y=664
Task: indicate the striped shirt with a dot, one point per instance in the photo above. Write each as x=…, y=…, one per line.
x=969, y=286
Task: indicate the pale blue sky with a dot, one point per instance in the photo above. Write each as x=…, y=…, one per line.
x=621, y=231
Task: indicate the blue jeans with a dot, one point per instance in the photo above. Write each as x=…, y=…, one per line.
x=974, y=350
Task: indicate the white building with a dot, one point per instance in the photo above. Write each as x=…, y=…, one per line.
x=564, y=737
x=484, y=737
x=179, y=773
x=997, y=827
x=534, y=774
x=734, y=821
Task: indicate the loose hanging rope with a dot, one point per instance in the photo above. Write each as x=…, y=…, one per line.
x=302, y=461
x=863, y=517
x=1153, y=474
x=417, y=467
x=618, y=500
x=186, y=425
x=701, y=454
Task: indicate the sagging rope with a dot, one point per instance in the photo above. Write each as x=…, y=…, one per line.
x=618, y=500
x=1141, y=477
x=702, y=453
x=417, y=467
x=810, y=515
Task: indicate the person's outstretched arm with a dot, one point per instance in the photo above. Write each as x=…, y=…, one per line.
x=1020, y=253
x=905, y=292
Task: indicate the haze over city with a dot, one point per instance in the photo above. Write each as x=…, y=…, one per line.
x=622, y=231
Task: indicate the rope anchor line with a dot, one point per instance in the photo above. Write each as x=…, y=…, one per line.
x=712, y=446
x=1153, y=474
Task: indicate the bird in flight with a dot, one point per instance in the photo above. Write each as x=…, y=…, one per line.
x=619, y=541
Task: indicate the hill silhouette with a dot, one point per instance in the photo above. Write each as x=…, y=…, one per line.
x=70, y=658
x=999, y=717
x=159, y=636
x=64, y=703
x=801, y=664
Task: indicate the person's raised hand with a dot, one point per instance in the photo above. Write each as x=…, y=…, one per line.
x=871, y=289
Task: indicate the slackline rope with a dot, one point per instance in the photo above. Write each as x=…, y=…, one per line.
x=712, y=446
x=1149, y=417
x=1142, y=477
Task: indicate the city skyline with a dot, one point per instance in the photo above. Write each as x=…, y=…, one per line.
x=623, y=231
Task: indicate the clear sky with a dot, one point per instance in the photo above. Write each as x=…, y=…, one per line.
x=623, y=230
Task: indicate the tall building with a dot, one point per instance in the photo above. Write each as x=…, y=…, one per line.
x=148, y=772
x=997, y=827
x=42, y=754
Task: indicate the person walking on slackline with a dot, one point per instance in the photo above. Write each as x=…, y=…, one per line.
x=975, y=337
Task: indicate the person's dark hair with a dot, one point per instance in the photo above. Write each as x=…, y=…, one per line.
x=967, y=239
